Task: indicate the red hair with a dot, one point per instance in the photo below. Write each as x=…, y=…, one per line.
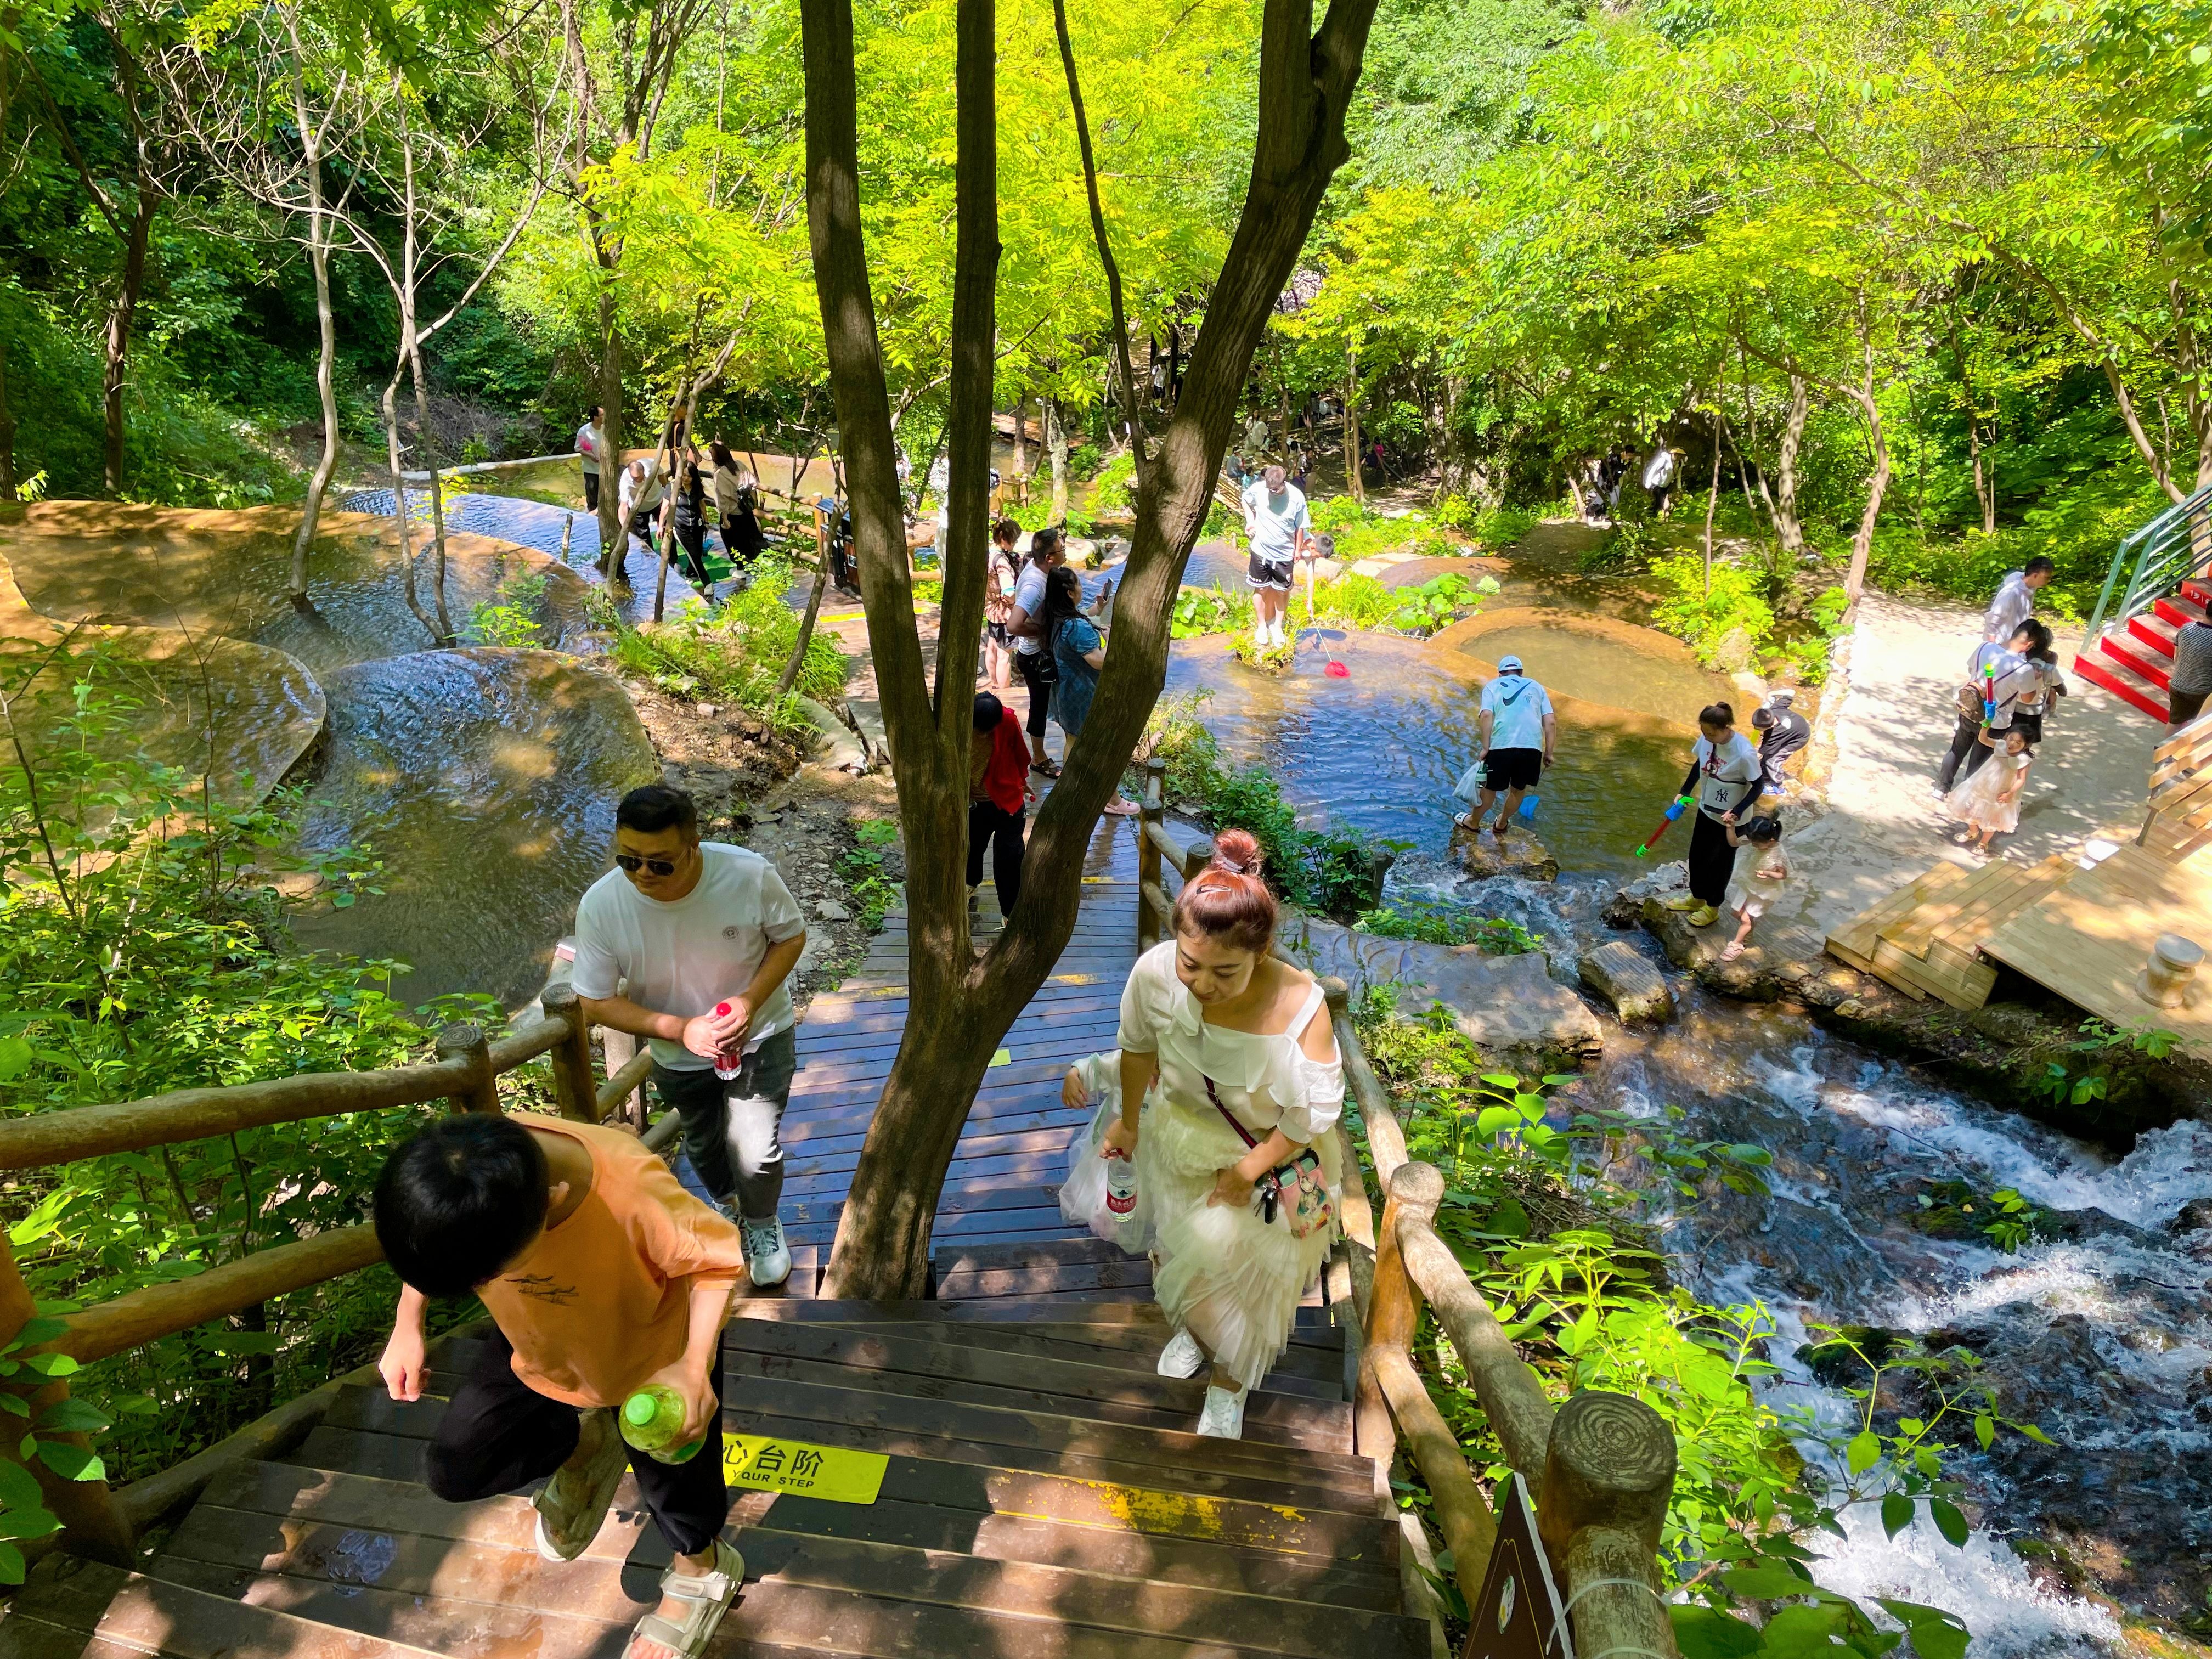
x=1227, y=900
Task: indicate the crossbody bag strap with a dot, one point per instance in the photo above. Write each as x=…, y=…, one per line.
x=1214, y=1094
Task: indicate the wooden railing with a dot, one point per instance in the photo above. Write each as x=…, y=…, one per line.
x=1157, y=846
x=1601, y=1467
x=101, y=1523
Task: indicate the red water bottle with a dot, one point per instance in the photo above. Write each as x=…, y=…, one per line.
x=729, y=1061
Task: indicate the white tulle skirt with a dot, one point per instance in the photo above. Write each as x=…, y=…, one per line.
x=1230, y=1280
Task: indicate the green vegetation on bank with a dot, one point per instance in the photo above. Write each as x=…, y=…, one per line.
x=735, y=651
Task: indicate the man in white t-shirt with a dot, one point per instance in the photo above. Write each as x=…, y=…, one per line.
x=680, y=927
x=2015, y=600
x=1517, y=729
x=1281, y=533
x=591, y=444
x=1033, y=659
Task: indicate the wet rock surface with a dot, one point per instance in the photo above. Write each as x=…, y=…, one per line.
x=1636, y=989
x=1483, y=854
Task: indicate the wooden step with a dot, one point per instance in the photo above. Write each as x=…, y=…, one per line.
x=2113, y=675
x=146, y=1615
x=1066, y=1253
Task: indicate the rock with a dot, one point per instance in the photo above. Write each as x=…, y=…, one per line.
x=830, y=910
x=710, y=709
x=1623, y=911
x=1481, y=854
x=1619, y=973
x=836, y=745
x=2192, y=1217
x=1507, y=1006
x=1751, y=687
x=1733, y=655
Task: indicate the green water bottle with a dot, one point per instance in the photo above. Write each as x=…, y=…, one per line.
x=652, y=1418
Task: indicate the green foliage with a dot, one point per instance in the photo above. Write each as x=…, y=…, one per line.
x=1215, y=610
x=1110, y=490
x=1435, y=603
x=23, y=1513
x=735, y=652
x=2065, y=1085
x=1627, y=546
x=1431, y=925
x=515, y=617
x=864, y=867
x=1706, y=618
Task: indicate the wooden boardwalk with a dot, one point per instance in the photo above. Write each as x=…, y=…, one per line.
x=1003, y=1184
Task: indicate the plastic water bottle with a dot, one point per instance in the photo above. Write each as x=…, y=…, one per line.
x=652, y=1418
x=730, y=1061
x=1120, y=1185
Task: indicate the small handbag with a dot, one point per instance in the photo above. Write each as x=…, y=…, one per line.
x=1297, y=1187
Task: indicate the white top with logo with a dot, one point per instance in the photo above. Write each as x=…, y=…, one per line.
x=1725, y=774
x=587, y=446
x=682, y=956
x=1517, y=706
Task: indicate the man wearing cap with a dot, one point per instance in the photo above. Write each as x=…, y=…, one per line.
x=1783, y=731
x=1517, y=728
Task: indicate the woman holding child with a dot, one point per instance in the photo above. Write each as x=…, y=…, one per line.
x=1234, y=1164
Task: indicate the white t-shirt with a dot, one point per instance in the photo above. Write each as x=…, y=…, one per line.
x=683, y=957
x=1273, y=521
x=1659, y=469
x=2004, y=678
x=587, y=446
x=1725, y=773
x=1517, y=706
x=1029, y=599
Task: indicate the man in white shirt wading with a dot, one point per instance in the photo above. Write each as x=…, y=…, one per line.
x=1517, y=729
x=1280, y=529
x=591, y=443
x=691, y=925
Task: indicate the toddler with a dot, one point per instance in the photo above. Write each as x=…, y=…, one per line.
x=1761, y=868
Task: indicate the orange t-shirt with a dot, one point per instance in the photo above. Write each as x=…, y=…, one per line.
x=602, y=1301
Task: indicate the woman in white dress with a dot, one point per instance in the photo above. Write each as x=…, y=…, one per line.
x=1249, y=1083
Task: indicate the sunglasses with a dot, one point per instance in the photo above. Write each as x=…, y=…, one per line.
x=631, y=863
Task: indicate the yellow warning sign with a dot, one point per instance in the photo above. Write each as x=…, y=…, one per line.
x=834, y=1473
x=1002, y=1057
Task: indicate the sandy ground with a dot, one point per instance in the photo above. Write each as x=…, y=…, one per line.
x=1882, y=825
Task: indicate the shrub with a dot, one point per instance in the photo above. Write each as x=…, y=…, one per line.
x=1706, y=618
x=514, y=618
x=1432, y=925
x=1109, y=491
x=735, y=653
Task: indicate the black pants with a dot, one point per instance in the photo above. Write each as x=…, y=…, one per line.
x=988, y=821
x=2183, y=707
x=500, y=1434
x=692, y=537
x=641, y=525
x=590, y=492
x=1712, y=861
x=731, y=1126
x=1966, y=745
x=1037, y=673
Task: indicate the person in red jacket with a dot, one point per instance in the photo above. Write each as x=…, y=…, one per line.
x=999, y=791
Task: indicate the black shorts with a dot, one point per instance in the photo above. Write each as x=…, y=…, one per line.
x=1512, y=769
x=1268, y=573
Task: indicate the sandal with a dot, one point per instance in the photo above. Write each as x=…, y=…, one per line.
x=573, y=1504
x=1045, y=768
x=1122, y=809
x=708, y=1596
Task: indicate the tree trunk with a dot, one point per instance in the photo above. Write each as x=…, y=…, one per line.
x=1055, y=438
x=798, y=658
x=959, y=1007
x=1713, y=494
x=118, y=341
x=1985, y=484
x=319, y=258
x=1787, y=525
x=1352, y=481
x=1022, y=441
x=443, y=625
x=1877, y=483
x=1283, y=397
x=7, y=434
x=614, y=534
x=399, y=516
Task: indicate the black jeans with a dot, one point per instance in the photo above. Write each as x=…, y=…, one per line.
x=500, y=1434
x=1039, y=673
x=1712, y=861
x=1966, y=745
x=2183, y=707
x=988, y=821
x=590, y=492
x=731, y=1125
x=692, y=537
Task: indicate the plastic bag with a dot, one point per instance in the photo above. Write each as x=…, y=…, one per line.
x=1083, y=1194
x=1470, y=782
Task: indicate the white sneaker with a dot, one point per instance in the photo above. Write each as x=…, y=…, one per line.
x=1183, y=1357
x=1223, y=1416
x=768, y=1259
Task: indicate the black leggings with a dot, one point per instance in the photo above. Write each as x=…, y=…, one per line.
x=988, y=821
x=499, y=1435
x=1033, y=667
x=1712, y=861
x=1966, y=745
x=692, y=536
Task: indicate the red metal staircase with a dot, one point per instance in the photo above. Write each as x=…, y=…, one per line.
x=2129, y=647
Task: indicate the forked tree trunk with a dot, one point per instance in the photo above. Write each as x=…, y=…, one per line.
x=960, y=1007
x=1352, y=481
x=1787, y=524
x=1055, y=441
x=319, y=259
x=614, y=534
x=117, y=344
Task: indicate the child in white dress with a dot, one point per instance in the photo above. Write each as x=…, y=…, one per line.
x=1761, y=868
x=1988, y=803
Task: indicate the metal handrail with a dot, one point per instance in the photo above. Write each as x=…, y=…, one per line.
x=2176, y=543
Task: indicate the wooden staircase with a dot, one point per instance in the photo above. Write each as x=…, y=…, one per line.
x=1043, y=1497
x=2134, y=660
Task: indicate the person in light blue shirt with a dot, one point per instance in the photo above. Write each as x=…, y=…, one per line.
x=1518, y=730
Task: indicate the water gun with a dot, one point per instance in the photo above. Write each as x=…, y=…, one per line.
x=1673, y=812
x=1988, y=694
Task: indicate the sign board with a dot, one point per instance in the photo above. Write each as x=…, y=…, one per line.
x=834, y=1473
x=1519, y=1616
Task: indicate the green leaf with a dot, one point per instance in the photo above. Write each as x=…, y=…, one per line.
x=1935, y=1634
x=2035, y=1434
x=1896, y=1513
x=50, y=1364
x=15, y=1404
x=1985, y=1429
x=1745, y=1153
x=73, y=1417
x=37, y=1331
x=1800, y=1631
x=11, y=1564
x=1495, y=1121
x=1504, y=1080
x=19, y=1487
x=1948, y=1521
x=71, y=1463
x=1863, y=1452
x=28, y=1523
x=1766, y=1582
x=1709, y=1633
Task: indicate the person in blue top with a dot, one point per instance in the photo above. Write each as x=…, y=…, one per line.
x=1517, y=729
x=1079, y=652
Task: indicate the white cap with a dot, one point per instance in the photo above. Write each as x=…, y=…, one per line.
x=1509, y=664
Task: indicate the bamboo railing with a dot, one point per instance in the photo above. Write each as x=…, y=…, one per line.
x=103, y=1523
x=1601, y=1467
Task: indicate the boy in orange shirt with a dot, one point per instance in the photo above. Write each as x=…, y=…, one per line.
x=603, y=1275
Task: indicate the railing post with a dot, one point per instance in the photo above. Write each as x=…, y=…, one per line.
x=467, y=1044
x=1151, y=810
x=91, y=1524
x=1394, y=1306
x=1609, y=1471
x=575, y=1090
